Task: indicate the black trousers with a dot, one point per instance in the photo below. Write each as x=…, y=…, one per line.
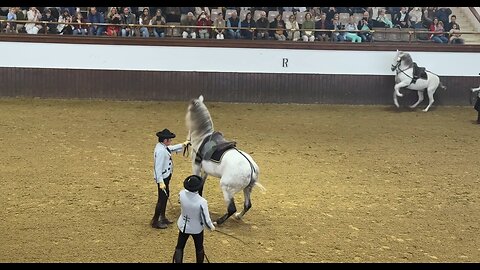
x=182, y=241
x=161, y=206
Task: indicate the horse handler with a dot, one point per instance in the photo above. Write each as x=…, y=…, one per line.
x=193, y=218
x=162, y=173
x=477, y=104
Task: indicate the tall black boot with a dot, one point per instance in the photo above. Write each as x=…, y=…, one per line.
x=163, y=208
x=200, y=256
x=178, y=256
x=478, y=118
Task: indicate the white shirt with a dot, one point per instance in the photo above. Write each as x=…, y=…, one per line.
x=162, y=161
x=194, y=214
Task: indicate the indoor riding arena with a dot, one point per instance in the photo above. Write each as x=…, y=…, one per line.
x=348, y=176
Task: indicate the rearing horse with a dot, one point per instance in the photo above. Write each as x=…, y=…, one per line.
x=403, y=67
x=236, y=169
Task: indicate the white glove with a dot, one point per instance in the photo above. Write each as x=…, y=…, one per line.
x=185, y=143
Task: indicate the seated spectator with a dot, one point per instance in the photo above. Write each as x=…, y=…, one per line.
x=158, y=19
x=308, y=27
x=247, y=32
x=233, y=25
x=324, y=25
x=219, y=25
x=81, y=27
x=204, y=21
x=144, y=19
x=189, y=31
x=383, y=21
x=279, y=25
x=455, y=35
x=415, y=17
x=47, y=17
x=263, y=22
x=401, y=18
x=11, y=16
x=33, y=15
x=21, y=16
x=453, y=20
x=337, y=25
x=95, y=18
x=438, y=36
x=428, y=16
x=352, y=27
x=293, y=30
x=65, y=28
x=114, y=18
x=127, y=18
x=365, y=25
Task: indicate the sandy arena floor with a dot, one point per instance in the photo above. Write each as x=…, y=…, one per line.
x=344, y=183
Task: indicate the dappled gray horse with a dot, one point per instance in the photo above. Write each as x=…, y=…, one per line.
x=220, y=158
x=404, y=67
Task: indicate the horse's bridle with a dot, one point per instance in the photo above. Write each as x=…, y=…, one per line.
x=398, y=70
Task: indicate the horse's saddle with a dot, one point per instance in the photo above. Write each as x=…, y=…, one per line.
x=418, y=73
x=213, y=147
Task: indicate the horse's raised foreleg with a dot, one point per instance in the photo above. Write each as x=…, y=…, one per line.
x=420, y=99
x=395, y=99
x=398, y=86
x=430, y=92
x=247, y=204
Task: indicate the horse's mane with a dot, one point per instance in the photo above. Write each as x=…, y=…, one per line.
x=407, y=59
x=201, y=121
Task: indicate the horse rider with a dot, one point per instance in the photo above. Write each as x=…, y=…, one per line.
x=193, y=218
x=162, y=173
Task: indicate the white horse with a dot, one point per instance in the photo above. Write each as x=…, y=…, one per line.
x=237, y=170
x=403, y=66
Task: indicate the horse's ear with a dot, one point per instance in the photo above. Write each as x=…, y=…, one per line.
x=200, y=98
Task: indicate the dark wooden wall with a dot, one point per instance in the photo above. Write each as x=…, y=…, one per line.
x=227, y=86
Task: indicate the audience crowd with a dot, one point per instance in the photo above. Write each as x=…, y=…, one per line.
x=308, y=24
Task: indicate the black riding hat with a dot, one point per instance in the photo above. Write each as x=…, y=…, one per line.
x=165, y=134
x=192, y=183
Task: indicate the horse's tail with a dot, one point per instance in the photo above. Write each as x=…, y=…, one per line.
x=442, y=86
x=264, y=190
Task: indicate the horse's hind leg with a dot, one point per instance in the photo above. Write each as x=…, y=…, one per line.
x=247, y=204
x=231, y=208
x=420, y=99
x=430, y=92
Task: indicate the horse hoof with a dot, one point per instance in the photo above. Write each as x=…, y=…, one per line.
x=237, y=216
x=215, y=223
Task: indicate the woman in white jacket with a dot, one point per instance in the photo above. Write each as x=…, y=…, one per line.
x=193, y=219
x=33, y=15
